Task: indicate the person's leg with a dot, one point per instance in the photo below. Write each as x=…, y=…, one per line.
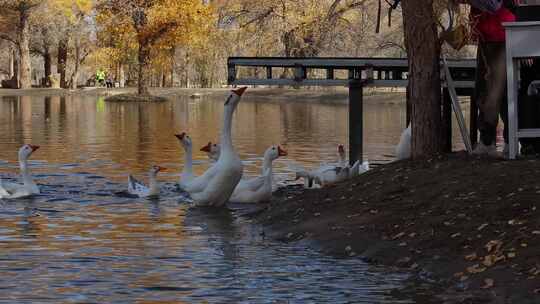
x=492, y=83
x=480, y=94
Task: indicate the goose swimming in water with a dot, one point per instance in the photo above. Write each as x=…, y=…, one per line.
x=258, y=189
x=216, y=185
x=28, y=187
x=139, y=189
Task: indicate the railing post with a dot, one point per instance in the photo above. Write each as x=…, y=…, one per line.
x=329, y=73
x=473, y=118
x=300, y=73
x=231, y=69
x=356, y=121
x=447, y=121
x=268, y=72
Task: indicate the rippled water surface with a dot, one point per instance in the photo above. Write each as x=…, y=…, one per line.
x=79, y=243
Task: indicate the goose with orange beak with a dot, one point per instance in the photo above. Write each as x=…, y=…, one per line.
x=212, y=150
x=139, y=189
x=216, y=185
x=259, y=189
x=28, y=187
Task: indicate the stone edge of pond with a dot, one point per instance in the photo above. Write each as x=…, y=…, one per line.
x=467, y=228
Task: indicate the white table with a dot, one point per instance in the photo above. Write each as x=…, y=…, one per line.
x=522, y=41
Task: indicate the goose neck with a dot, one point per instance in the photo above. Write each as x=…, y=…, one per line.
x=226, y=140
x=153, y=184
x=27, y=178
x=267, y=164
x=188, y=160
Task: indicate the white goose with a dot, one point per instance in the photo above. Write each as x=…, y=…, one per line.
x=212, y=150
x=403, y=149
x=186, y=177
x=258, y=189
x=328, y=174
x=356, y=169
x=139, y=189
x=215, y=186
x=28, y=187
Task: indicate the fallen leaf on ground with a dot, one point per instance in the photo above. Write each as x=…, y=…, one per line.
x=471, y=257
x=476, y=268
x=493, y=245
x=488, y=283
x=482, y=227
x=397, y=236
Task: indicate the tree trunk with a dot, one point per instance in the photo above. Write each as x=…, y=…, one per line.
x=25, y=79
x=142, y=72
x=423, y=52
x=75, y=75
x=121, y=77
x=62, y=59
x=11, y=63
x=47, y=60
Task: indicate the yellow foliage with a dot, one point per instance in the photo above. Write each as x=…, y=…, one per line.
x=168, y=24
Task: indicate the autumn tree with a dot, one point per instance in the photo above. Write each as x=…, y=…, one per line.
x=155, y=24
x=17, y=13
x=305, y=27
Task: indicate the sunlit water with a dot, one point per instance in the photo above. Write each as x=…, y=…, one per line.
x=79, y=243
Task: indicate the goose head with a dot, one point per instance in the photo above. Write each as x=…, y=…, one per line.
x=27, y=150
x=184, y=139
x=274, y=152
x=234, y=97
x=154, y=170
x=213, y=150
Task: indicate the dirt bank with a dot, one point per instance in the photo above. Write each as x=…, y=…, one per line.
x=469, y=226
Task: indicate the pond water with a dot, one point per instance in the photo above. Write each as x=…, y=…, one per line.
x=76, y=242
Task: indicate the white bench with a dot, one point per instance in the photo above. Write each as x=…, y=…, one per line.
x=522, y=41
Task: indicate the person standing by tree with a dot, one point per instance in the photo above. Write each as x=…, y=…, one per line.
x=487, y=17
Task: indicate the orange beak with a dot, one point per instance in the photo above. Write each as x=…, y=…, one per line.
x=161, y=168
x=341, y=149
x=207, y=147
x=281, y=152
x=240, y=91
x=34, y=148
x=180, y=136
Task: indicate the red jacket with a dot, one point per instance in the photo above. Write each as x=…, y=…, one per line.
x=488, y=26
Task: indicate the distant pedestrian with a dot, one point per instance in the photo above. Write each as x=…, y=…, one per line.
x=100, y=77
x=109, y=82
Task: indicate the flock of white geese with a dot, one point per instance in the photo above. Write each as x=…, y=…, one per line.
x=222, y=181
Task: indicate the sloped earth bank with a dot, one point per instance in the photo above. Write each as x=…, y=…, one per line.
x=468, y=227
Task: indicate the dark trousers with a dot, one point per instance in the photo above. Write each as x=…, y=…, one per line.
x=490, y=90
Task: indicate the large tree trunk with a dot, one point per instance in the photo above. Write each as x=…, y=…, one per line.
x=62, y=59
x=75, y=75
x=142, y=72
x=423, y=51
x=121, y=76
x=12, y=57
x=25, y=80
x=47, y=62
